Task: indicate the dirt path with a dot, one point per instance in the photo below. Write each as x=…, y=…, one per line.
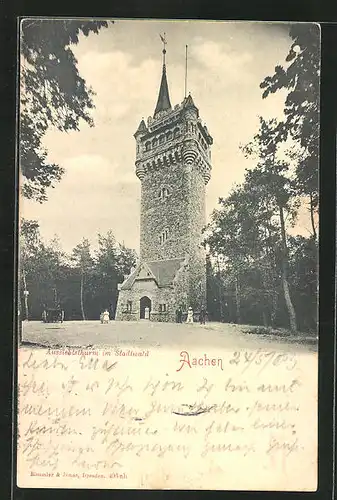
x=146, y=334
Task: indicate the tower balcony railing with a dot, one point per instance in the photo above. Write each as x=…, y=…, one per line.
x=165, y=117
x=172, y=143
x=161, y=148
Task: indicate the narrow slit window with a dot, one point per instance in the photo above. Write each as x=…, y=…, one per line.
x=164, y=236
x=164, y=193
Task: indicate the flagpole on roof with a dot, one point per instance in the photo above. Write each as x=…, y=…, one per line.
x=186, y=71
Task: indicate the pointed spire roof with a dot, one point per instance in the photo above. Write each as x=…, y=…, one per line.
x=163, y=102
x=189, y=103
x=142, y=128
x=163, y=97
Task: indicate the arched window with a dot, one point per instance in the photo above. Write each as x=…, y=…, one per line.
x=164, y=193
x=147, y=146
x=161, y=139
x=154, y=142
x=176, y=132
x=169, y=135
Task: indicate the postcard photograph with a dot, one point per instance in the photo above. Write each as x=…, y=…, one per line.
x=168, y=254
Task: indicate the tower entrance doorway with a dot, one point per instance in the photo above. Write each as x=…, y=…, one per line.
x=145, y=308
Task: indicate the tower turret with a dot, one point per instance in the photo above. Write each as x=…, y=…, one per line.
x=141, y=132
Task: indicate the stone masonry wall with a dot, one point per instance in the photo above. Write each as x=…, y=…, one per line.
x=182, y=213
x=164, y=214
x=197, y=261
x=154, y=293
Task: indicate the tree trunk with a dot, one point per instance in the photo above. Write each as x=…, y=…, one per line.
x=220, y=305
x=285, y=284
x=55, y=297
x=82, y=304
x=237, y=300
x=220, y=294
x=265, y=305
x=271, y=276
x=273, y=309
x=25, y=295
x=290, y=307
x=312, y=218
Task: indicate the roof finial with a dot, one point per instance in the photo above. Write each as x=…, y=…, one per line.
x=163, y=39
x=163, y=102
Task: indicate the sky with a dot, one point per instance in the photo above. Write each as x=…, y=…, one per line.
x=123, y=63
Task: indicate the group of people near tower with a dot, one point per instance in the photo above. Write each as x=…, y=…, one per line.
x=190, y=315
x=105, y=316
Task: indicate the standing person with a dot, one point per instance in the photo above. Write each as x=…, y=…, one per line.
x=179, y=315
x=106, y=316
x=202, y=315
x=189, y=315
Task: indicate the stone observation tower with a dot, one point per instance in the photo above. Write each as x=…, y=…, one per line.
x=173, y=164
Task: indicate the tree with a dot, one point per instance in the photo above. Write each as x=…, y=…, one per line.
x=249, y=233
x=301, y=79
x=242, y=240
x=41, y=269
x=52, y=94
x=81, y=283
x=303, y=267
x=112, y=262
x=271, y=178
x=126, y=261
x=51, y=265
x=30, y=244
x=81, y=256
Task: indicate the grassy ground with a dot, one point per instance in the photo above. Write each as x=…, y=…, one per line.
x=144, y=334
